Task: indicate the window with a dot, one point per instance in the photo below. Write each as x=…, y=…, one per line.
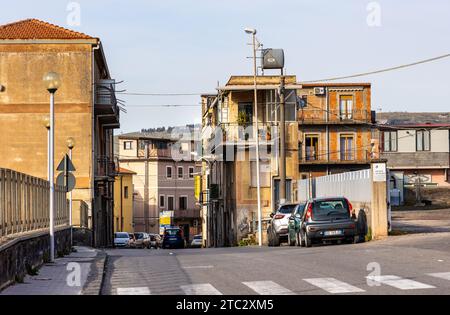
x=273, y=105
x=125, y=192
x=311, y=147
x=162, y=200
x=168, y=172
x=191, y=172
x=346, y=144
x=346, y=106
x=423, y=140
x=128, y=145
x=183, y=203
x=390, y=141
x=180, y=172
x=264, y=173
x=170, y=203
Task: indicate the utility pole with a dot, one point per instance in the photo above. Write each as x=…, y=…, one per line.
x=282, y=142
x=146, y=205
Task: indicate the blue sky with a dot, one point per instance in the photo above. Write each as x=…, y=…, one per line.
x=186, y=46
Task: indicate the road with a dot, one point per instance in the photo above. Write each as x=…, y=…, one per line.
x=408, y=264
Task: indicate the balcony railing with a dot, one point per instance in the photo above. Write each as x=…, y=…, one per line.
x=311, y=156
x=106, y=105
x=186, y=214
x=105, y=167
x=319, y=116
x=155, y=153
x=233, y=132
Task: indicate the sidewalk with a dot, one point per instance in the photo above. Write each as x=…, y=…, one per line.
x=61, y=277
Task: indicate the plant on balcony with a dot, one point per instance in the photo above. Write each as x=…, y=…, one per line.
x=243, y=121
x=269, y=133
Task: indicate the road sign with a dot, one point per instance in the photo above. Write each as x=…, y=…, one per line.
x=66, y=181
x=66, y=165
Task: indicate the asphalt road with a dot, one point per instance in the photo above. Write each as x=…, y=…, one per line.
x=409, y=264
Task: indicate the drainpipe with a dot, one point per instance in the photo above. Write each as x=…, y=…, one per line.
x=327, y=128
x=94, y=159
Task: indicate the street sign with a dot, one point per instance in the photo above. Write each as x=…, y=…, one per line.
x=66, y=181
x=66, y=165
x=379, y=172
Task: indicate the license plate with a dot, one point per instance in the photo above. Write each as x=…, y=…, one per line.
x=333, y=233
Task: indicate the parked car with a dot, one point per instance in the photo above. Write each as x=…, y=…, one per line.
x=155, y=241
x=142, y=240
x=173, y=238
x=121, y=239
x=278, y=227
x=327, y=219
x=197, y=241
x=295, y=221
x=132, y=242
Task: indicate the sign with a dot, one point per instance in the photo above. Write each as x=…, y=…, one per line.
x=67, y=182
x=165, y=218
x=379, y=172
x=423, y=178
x=66, y=165
x=197, y=187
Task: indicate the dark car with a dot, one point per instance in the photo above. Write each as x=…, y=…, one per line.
x=173, y=238
x=327, y=219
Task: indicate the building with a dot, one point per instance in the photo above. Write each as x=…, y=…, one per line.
x=124, y=201
x=164, y=182
x=328, y=130
x=417, y=154
x=85, y=109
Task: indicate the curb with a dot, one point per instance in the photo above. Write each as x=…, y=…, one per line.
x=94, y=282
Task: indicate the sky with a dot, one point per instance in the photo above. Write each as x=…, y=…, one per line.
x=191, y=46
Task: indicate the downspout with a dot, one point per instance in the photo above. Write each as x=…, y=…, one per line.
x=327, y=128
x=94, y=159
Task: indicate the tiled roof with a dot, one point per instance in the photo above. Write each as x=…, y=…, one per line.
x=122, y=170
x=36, y=29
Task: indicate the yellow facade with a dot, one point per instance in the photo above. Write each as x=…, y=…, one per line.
x=123, y=202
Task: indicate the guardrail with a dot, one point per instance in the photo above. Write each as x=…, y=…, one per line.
x=24, y=204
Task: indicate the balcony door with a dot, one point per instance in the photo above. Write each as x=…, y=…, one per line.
x=346, y=106
x=311, y=147
x=346, y=147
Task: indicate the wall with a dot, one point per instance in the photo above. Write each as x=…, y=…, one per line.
x=123, y=207
x=25, y=102
x=29, y=251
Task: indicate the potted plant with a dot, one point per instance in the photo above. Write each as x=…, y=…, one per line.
x=269, y=133
x=242, y=120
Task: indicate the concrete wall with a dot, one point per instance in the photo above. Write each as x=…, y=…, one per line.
x=123, y=206
x=29, y=251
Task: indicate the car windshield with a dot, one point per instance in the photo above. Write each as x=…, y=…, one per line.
x=121, y=235
x=300, y=209
x=330, y=207
x=173, y=232
x=285, y=209
x=197, y=237
x=139, y=236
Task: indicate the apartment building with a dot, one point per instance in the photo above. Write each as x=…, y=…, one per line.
x=328, y=130
x=123, y=201
x=416, y=154
x=85, y=109
x=164, y=180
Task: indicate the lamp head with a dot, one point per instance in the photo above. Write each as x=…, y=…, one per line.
x=70, y=143
x=52, y=81
x=46, y=122
x=250, y=31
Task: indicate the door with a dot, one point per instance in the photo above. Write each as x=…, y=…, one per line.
x=276, y=192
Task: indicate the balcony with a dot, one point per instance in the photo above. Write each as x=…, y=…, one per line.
x=186, y=214
x=355, y=156
x=234, y=134
x=319, y=116
x=106, y=107
x=106, y=169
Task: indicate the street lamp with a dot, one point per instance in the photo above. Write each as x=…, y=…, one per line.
x=70, y=144
x=46, y=124
x=52, y=82
x=252, y=32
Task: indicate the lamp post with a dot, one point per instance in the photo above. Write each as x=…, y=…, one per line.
x=46, y=123
x=52, y=83
x=70, y=144
x=252, y=31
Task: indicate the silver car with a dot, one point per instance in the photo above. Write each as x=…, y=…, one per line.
x=121, y=239
x=197, y=241
x=279, y=226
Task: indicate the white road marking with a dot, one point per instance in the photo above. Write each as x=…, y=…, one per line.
x=267, y=288
x=441, y=275
x=198, y=267
x=200, y=289
x=333, y=285
x=133, y=291
x=400, y=283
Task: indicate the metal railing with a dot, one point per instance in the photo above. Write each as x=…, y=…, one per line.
x=24, y=204
x=105, y=167
x=309, y=155
x=313, y=116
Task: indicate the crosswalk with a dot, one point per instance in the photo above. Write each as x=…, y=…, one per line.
x=327, y=285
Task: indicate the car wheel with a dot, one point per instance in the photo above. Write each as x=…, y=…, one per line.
x=308, y=242
x=276, y=239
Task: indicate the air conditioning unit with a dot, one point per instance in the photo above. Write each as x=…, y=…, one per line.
x=319, y=91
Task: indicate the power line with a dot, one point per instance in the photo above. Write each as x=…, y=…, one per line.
x=165, y=105
x=159, y=94
x=379, y=71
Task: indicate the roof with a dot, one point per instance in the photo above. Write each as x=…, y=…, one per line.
x=37, y=29
x=329, y=84
x=122, y=170
x=148, y=135
x=408, y=119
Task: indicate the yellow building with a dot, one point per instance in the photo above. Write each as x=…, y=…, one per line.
x=86, y=110
x=123, y=201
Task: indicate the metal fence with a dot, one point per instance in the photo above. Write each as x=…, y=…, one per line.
x=24, y=204
x=356, y=186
